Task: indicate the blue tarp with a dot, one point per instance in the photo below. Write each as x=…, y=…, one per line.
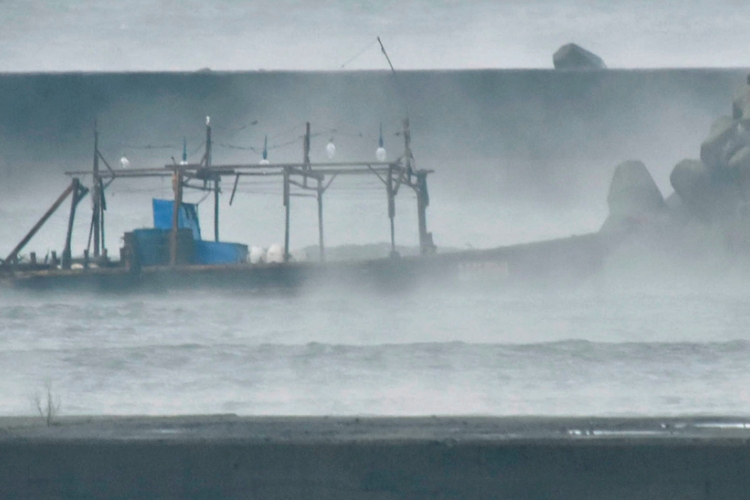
x=187, y=218
x=217, y=252
x=153, y=246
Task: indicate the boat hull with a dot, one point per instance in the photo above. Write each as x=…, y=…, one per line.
x=554, y=262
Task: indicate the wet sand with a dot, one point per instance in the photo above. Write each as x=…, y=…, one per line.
x=225, y=456
x=449, y=430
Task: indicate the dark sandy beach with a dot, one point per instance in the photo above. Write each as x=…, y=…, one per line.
x=226, y=456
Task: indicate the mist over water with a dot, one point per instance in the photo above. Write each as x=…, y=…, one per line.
x=465, y=351
x=519, y=155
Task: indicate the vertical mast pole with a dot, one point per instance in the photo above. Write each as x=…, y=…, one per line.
x=306, y=151
x=306, y=147
x=321, y=242
x=408, y=156
x=96, y=196
x=173, y=240
x=286, y=216
x=425, y=245
x=391, y=208
x=67, y=257
x=216, y=179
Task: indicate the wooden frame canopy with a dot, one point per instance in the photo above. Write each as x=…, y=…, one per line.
x=305, y=175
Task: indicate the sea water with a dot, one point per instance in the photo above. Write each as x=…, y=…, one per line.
x=470, y=349
x=597, y=349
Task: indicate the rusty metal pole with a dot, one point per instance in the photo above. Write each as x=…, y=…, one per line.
x=67, y=257
x=306, y=147
x=286, y=216
x=306, y=152
x=216, y=207
x=425, y=246
x=96, y=197
x=321, y=242
x=391, y=209
x=217, y=179
x=173, y=239
x=408, y=156
x=102, y=208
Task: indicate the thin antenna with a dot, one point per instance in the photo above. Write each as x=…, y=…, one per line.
x=382, y=49
x=395, y=77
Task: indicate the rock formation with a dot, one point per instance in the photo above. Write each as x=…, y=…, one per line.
x=633, y=198
x=572, y=56
x=711, y=194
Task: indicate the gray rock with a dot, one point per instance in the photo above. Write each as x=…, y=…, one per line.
x=689, y=178
x=740, y=167
x=692, y=181
x=633, y=190
x=676, y=208
x=740, y=159
x=572, y=56
x=741, y=104
x=709, y=196
x=719, y=146
x=634, y=199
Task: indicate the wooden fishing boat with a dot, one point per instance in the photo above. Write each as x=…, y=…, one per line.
x=173, y=254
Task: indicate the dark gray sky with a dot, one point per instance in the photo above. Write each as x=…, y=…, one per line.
x=322, y=35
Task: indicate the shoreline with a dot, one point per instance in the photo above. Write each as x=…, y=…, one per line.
x=331, y=458
x=465, y=429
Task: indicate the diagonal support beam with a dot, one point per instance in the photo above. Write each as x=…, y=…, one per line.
x=13, y=255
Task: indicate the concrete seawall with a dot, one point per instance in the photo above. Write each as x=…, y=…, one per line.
x=348, y=458
x=528, y=132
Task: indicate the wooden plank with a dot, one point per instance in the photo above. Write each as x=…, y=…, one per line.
x=13, y=255
x=78, y=194
x=173, y=240
x=287, y=188
x=321, y=242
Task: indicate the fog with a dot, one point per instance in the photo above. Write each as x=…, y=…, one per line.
x=154, y=35
x=520, y=152
x=518, y=155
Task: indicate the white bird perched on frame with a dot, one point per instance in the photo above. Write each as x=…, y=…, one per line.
x=208, y=120
x=330, y=149
x=124, y=162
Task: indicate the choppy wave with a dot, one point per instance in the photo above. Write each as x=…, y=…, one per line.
x=423, y=353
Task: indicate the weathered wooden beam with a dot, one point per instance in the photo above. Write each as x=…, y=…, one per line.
x=278, y=166
x=287, y=188
x=13, y=255
x=216, y=207
x=95, y=185
x=78, y=193
x=321, y=241
x=173, y=237
x=305, y=173
x=234, y=189
x=200, y=171
x=426, y=245
x=106, y=163
x=391, y=210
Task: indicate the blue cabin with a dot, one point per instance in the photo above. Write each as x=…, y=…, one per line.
x=153, y=243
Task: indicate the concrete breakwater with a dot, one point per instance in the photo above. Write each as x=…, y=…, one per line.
x=546, y=133
x=350, y=458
